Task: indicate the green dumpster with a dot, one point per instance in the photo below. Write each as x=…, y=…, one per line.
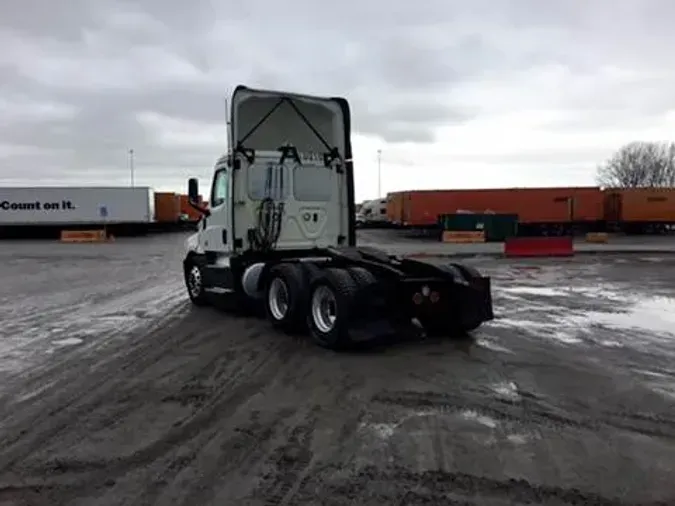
x=462, y=222
x=499, y=227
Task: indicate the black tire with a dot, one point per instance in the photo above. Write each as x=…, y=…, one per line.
x=194, y=282
x=292, y=279
x=311, y=271
x=342, y=287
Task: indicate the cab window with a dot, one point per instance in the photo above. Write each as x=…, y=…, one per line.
x=220, y=188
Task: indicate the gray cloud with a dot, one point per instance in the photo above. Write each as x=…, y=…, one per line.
x=82, y=84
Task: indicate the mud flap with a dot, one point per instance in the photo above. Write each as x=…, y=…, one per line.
x=371, y=319
x=476, y=300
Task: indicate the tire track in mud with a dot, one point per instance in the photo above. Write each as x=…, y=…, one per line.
x=203, y=428
x=63, y=396
x=69, y=402
x=278, y=454
x=393, y=484
x=48, y=368
x=290, y=463
x=176, y=450
x=531, y=409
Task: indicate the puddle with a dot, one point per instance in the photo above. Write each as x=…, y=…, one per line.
x=507, y=390
x=474, y=416
x=610, y=343
x=662, y=382
x=536, y=290
x=490, y=345
x=665, y=390
x=383, y=430
x=523, y=324
x=69, y=341
x=566, y=337
x=556, y=331
x=653, y=374
x=33, y=393
x=388, y=430
x=655, y=314
x=652, y=316
x=518, y=439
x=607, y=292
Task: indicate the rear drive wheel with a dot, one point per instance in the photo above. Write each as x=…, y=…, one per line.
x=286, y=297
x=331, y=302
x=194, y=282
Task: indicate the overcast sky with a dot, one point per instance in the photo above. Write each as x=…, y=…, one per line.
x=455, y=93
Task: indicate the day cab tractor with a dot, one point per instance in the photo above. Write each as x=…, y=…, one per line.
x=280, y=232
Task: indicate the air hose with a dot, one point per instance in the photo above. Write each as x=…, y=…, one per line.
x=270, y=212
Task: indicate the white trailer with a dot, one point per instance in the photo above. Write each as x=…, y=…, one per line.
x=76, y=206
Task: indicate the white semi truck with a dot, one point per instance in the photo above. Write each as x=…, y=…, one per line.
x=374, y=212
x=280, y=232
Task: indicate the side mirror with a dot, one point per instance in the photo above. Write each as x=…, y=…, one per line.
x=193, y=196
x=193, y=189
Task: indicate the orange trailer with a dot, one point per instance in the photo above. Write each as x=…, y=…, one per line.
x=639, y=209
x=535, y=207
x=186, y=209
x=395, y=207
x=167, y=207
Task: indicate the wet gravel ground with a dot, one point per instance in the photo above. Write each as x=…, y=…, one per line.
x=114, y=391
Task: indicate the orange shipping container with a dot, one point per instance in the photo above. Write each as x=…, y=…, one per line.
x=532, y=205
x=187, y=209
x=640, y=205
x=167, y=207
x=395, y=207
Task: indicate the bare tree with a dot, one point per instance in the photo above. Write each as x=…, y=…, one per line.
x=639, y=165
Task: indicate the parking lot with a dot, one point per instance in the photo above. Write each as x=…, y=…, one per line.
x=115, y=391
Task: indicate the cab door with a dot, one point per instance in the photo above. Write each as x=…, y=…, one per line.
x=215, y=238
x=215, y=235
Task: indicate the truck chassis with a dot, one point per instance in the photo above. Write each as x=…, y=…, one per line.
x=343, y=296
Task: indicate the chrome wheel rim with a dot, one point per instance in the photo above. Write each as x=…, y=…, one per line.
x=195, y=281
x=324, y=309
x=277, y=299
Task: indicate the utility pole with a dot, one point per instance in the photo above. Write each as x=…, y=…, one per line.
x=131, y=166
x=379, y=173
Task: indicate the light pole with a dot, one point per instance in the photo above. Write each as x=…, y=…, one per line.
x=131, y=166
x=379, y=173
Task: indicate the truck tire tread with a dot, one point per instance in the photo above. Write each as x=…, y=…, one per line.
x=362, y=276
x=200, y=299
x=295, y=279
x=344, y=288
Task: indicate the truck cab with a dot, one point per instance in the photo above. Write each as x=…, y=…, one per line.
x=280, y=226
x=286, y=182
